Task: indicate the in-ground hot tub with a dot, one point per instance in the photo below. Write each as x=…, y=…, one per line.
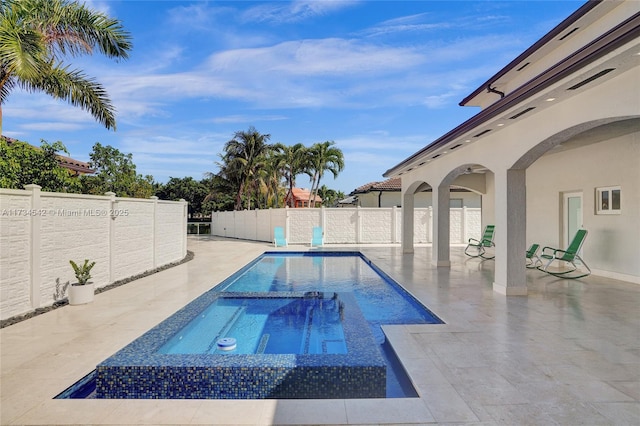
x=289, y=345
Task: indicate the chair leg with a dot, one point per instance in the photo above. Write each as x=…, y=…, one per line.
x=585, y=265
x=487, y=257
x=480, y=251
x=566, y=274
x=530, y=264
x=533, y=262
x=544, y=267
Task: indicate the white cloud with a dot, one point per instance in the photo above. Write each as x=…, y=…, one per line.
x=296, y=11
x=247, y=118
x=404, y=24
x=168, y=145
x=199, y=16
x=311, y=57
x=49, y=126
x=380, y=144
x=100, y=6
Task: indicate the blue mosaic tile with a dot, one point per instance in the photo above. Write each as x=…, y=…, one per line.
x=140, y=371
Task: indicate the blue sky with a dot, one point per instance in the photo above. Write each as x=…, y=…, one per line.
x=382, y=79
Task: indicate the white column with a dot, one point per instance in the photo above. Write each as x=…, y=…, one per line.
x=440, y=245
x=36, y=242
x=510, y=235
x=407, y=222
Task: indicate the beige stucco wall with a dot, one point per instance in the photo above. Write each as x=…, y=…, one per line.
x=613, y=243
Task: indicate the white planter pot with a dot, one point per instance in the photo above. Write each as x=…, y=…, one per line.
x=81, y=294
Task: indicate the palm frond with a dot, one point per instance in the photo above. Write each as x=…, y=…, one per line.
x=77, y=89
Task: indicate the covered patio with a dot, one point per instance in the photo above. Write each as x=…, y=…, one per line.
x=569, y=353
x=560, y=124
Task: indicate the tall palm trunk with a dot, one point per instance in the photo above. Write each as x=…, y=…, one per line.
x=313, y=183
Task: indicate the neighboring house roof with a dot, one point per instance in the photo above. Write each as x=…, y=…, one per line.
x=302, y=194
x=393, y=184
x=536, y=71
x=76, y=166
x=349, y=200
x=390, y=185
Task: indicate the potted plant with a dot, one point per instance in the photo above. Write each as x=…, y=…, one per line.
x=82, y=291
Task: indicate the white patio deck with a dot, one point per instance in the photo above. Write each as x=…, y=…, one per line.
x=567, y=354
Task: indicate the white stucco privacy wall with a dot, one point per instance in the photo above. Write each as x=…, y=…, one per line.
x=41, y=231
x=342, y=225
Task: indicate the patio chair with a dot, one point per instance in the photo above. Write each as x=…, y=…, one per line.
x=477, y=248
x=570, y=256
x=317, y=237
x=532, y=258
x=278, y=237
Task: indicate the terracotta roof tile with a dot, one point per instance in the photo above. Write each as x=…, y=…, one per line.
x=303, y=194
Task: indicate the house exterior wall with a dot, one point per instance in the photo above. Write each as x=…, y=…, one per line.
x=612, y=247
x=42, y=231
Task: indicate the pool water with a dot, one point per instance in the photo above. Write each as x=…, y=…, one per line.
x=381, y=300
x=264, y=326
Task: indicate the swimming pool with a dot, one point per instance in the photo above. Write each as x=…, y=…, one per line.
x=268, y=307
x=381, y=299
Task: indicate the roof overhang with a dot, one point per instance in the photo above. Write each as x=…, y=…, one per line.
x=540, y=47
x=615, y=38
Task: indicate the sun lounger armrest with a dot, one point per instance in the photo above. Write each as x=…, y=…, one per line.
x=553, y=252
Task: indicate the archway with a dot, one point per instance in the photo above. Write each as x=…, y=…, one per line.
x=408, y=205
x=469, y=176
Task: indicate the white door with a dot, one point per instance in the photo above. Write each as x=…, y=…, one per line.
x=572, y=210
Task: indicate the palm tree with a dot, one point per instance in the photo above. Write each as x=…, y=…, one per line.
x=244, y=156
x=324, y=157
x=219, y=192
x=295, y=161
x=273, y=175
x=329, y=196
x=36, y=34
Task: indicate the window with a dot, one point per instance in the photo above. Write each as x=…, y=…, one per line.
x=608, y=200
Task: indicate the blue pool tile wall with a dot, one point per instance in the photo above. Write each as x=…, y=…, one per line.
x=140, y=371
